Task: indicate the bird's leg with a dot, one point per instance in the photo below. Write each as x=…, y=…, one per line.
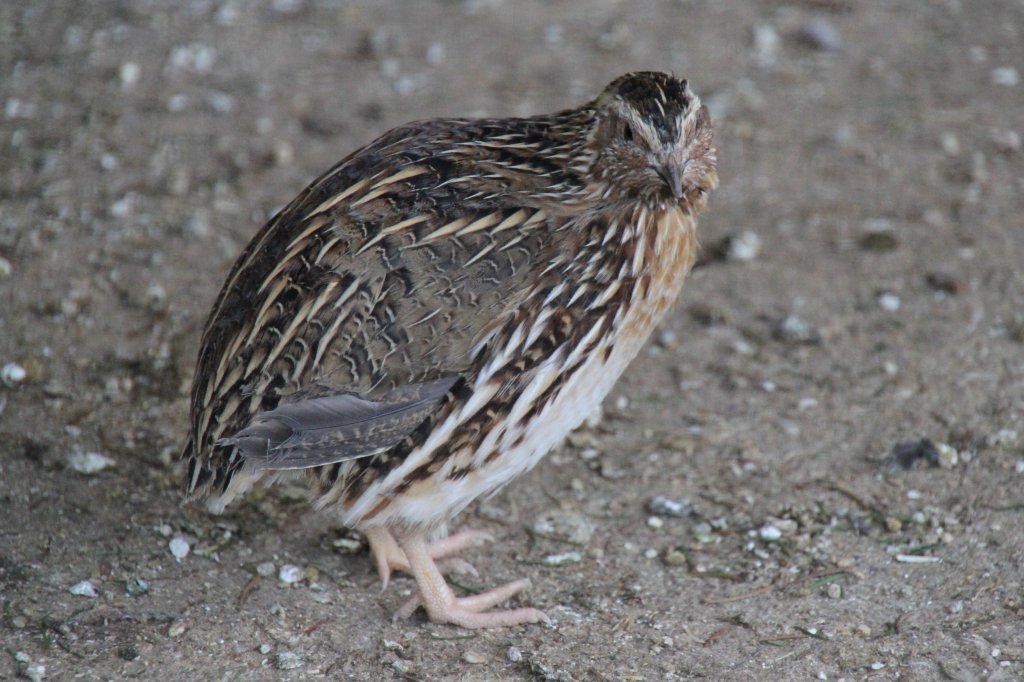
x=388, y=556
x=443, y=606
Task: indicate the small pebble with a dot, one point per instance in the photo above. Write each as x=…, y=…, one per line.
x=287, y=660
x=84, y=589
x=834, y=591
x=950, y=143
x=770, y=533
x=879, y=240
x=13, y=374
x=266, y=569
x=1006, y=141
x=917, y=559
x=569, y=526
x=877, y=665
x=30, y=670
x=435, y=54
x=5, y=268
x=663, y=506
x=944, y=282
x=179, y=547
x=1003, y=437
x=805, y=404
x=129, y=73
x=265, y=649
x=948, y=455
x=675, y=557
x=703, y=532
x=1006, y=76
x=655, y=521
x=821, y=34
x=137, y=586
x=650, y=553
x=744, y=247
x=766, y=45
x=89, y=462
x=290, y=574
x=176, y=630
x=797, y=330
x=906, y=454
x=889, y=301
x=474, y=657
x=287, y=6
x=562, y=559
x=514, y=654
x=195, y=57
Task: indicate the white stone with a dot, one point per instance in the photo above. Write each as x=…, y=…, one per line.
x=89, y=462
x=84, y=589
x=289, y=574
x=179, y=547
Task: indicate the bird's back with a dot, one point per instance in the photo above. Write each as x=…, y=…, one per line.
x=386, y=271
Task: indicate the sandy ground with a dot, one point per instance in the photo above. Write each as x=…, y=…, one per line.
x=862, y=288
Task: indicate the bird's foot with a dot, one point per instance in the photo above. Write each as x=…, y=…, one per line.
x=388, y=556
x=442, y=606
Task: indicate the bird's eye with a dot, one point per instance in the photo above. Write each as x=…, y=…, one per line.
x=627, y=133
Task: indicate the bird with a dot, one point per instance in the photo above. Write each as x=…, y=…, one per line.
x=432, y=315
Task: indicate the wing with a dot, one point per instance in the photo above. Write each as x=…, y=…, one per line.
x=386, y=273
x=336, y=427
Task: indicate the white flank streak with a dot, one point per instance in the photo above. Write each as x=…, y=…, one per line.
x=397, y=227
x=267, y=302
x=480, y=254
x=583, y=345
x=287, y=337
x=444, y=230
x=411, y=172
x=543, y=377
x=607, y=294
x=326, y=247
x=638, y=253
x=288, y=259
x=538, y=328
x=613, y=227
x=313, y=226
x=480, y=223
x=337, y=198
x=511, y=221
x=555, y=293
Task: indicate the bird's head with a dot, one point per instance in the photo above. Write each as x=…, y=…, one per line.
x=652, y=141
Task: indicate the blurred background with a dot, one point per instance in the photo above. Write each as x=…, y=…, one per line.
x=834, y=409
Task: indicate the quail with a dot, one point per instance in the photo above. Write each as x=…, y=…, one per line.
x=437, y=311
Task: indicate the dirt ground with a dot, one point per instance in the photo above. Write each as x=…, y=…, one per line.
x=862, y=287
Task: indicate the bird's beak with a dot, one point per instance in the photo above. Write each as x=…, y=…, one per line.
x=672, y=174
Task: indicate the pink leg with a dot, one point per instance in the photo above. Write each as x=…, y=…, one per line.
x=388, y=556
x=443, y=606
